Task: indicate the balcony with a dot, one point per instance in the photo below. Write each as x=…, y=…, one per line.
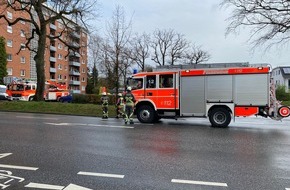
x=74, y=63
x=52, y=26
x=52, y=48
x=75, y=35
x=76, y=73
x=74, y=54
x=74, y=82
x=52, y=59
x=52, y=70
x=74, y=44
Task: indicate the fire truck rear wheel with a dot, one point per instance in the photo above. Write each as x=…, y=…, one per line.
x=220, y=117
x=146, y=114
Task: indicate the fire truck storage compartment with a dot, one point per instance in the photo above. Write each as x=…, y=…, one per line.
x=244, y=90
x=192, y=96
x=252, y=89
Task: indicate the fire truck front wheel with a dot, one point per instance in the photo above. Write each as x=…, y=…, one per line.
x=146, y=114
x=220, y=117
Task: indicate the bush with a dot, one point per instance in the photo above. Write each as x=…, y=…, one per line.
x=281, y=94
x=92, y=99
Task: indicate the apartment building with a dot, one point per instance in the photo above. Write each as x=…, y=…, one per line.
x=61, y=65
x=281, y=77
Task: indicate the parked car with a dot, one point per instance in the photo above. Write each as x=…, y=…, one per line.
x=68, y=98
x=3, y=94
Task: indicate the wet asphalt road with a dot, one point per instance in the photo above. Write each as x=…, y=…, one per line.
x=73, y=152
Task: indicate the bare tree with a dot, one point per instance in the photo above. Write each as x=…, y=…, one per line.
x=168, y=46
x=119, y=31
x=161, y=42
x=95, y=51
x=196, y=55
x=140, y=49
x=40, y=14
x=179, y=45
x=269, y=21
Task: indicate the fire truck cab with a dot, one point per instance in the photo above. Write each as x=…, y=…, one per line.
x=217, y=93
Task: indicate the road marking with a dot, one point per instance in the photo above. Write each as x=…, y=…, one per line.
x=95, y=125
x=18, y=167
x=199, y=182
x=30, y=117
x=101, y=174
x=287, y=188
x=44, y=186
x=75, y=187
x=4, y=155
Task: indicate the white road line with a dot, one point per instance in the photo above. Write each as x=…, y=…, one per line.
x=44, y=186
x=18, y=167
x=75, y=187
x=101, y=174
x=287, y=188
x=199, y=182
x=4, y=155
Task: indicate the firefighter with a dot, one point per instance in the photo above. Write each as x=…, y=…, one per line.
x=129, y=106
x=105, y=104
x=120, y=106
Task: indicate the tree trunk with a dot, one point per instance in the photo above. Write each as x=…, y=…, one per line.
x=39, y=60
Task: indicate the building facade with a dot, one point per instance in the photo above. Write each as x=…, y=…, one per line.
x=61, y=64
x=281, y=77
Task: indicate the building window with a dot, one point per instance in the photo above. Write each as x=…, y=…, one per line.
x=9, y=15
x=22, y=33
x=22, y=59
x=59, y=46
x=9, y=43
x=83, y=88
x=83, y=79
x=83, y=61
x=9, y=71
x=83, y=70
x=59, y=67
x=59, y=56
x=22, y=73
x=22, y=46
x=9, y=57
x=59, y=77
x=9, y=29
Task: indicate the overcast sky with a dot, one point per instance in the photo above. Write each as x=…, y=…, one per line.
x=202, y=22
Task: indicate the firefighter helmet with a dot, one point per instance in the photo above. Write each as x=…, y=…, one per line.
x=129, y=88
x=104, y=93
x=119, y=94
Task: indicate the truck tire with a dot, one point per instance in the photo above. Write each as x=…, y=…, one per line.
x=146, y=114
x=30, y=98
x=220, y=117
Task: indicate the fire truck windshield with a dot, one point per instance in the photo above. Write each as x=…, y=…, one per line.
x=135, y=83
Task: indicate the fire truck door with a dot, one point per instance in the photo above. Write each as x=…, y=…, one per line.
x=167, y=93
x=151, y=91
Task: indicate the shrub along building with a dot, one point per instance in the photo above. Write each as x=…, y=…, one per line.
x=62, y=65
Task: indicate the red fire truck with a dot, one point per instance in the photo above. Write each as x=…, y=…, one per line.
x=21, y=89
x=219, y=93
x=54, y=90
